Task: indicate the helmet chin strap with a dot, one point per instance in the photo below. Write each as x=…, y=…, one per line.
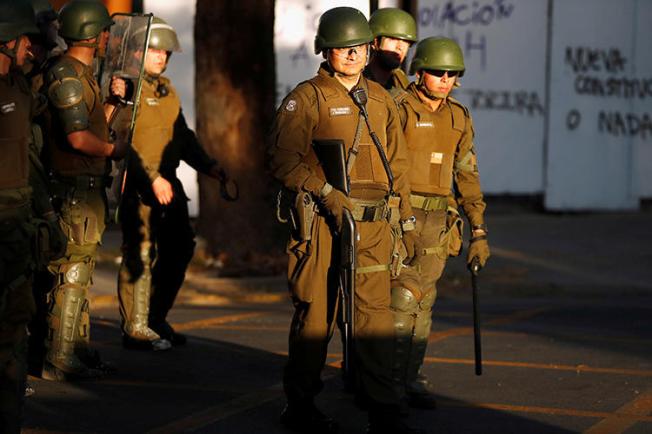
x=422, y=87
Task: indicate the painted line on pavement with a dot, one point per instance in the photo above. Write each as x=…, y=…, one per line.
x=625, y=417
x=502, y=320
x=210, y=322
x=556, y=367
x=548, y=411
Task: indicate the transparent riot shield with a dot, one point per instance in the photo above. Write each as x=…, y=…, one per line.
x=123, y=59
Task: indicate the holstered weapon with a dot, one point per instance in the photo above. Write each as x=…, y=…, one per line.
x=332, y=158
x=477, y=343
x=302, y=215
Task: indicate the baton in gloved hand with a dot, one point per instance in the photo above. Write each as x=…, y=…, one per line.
x=475, y=269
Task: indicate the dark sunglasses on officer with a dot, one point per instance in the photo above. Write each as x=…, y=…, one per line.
x=440, y=73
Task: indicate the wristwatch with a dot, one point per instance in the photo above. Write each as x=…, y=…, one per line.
x=409, y=224
x=325, y=190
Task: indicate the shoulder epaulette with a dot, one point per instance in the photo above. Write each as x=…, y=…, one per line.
x=459, y=104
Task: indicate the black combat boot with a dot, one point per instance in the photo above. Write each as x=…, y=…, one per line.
x=165, y=331
x=306, y=418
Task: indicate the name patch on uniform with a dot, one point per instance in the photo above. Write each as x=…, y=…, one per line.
x=340, y=111
x=152, y=101
x=425, y=124
x=436, y=158
x=8, y=107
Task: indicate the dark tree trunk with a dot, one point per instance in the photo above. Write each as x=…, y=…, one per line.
x=235, y=94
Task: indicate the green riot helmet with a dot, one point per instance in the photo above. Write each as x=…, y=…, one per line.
x=43, y=11
x=16, y=18
x=342, y=27
x=162, y=36
x=83, y=19
x=394, y=23
x=437, y=53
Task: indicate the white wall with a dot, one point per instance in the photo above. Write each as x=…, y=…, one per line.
x=504, y=44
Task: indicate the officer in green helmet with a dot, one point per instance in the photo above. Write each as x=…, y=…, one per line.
x=17, y=107
x=324, y=107
x=394, y=33
x=439, y=133
x=158, y=241
x=77, y=157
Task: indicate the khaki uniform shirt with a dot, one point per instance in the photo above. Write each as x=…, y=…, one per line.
x=162, y=138
x=321, y=108
x=441, y=151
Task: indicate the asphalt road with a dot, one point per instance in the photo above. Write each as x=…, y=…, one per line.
x=567, y=345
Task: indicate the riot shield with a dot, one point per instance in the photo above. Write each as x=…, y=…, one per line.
x=124, y=58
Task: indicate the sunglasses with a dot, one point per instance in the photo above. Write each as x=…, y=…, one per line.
x=440, y=73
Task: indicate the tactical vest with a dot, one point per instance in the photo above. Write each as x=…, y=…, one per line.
x=432, y=140
x=338, y=119
x=65, y=160
x=15, y=129
x=155, y=122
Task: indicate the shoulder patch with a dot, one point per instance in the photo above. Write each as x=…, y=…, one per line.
x=291, y=105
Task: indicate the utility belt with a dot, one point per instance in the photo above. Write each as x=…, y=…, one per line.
x=84, y=182
x=429, y=203
x=299, y=210
x=376, y=210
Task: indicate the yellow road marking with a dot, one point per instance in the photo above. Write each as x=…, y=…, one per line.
x=625, y=417
x=547, y=410
x=210, y=322
x=556, y=367
x=503, y=320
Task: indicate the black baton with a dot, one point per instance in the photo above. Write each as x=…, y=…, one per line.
x=475, y=268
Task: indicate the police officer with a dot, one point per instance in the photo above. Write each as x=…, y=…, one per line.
x=17, y=107
x=439, y=134
x=78, y=159
x=394, y=33
x=51, y=239
x=158, y=241
x=323, y=108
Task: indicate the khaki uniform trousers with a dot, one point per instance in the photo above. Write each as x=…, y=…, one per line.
x=157, y=245
x=313, y=283
x=414, y=293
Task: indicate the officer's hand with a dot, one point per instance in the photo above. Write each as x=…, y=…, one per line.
x=218, y=173
x=478, y=248
x=118, y=87
x=409, y=241
x=162, y=190
x=335, y=202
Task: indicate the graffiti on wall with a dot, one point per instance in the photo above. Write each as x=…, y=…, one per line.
x=602, y=73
